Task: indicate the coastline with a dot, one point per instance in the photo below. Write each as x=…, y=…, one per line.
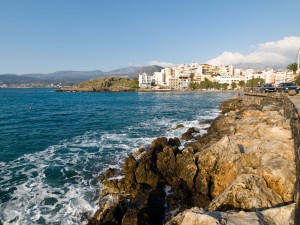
x=203, y=173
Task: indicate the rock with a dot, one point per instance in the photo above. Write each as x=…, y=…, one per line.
x=186, y=167
x=166, y=164
x=150, y=206
x=111, y=211
x=196, y=146
x=281, y=215
x=292, y=92
x=146, y=174
x=231, y=105
x=138, y=153
x=194, y=216
x=276, y=216
x=179, y=126
x=109, y=173
x=248, y=192
x=188, y=135
x=130, y=217
x=174, y=142
x=159, y=142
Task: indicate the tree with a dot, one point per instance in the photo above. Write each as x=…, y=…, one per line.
x=206, y=84
x=216, y=85
x=293, y=67
x=225, y=86
x=254, y=82
x=194, y=86
x=297, y=80
x=241, y=84
x=233, y=85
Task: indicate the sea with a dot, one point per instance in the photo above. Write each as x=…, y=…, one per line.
x=54, y=146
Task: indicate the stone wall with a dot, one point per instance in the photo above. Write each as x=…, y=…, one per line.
x=291, y=112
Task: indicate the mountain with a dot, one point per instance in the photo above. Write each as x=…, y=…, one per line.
x=13, y=79
x=255, y=66
x=67, y=78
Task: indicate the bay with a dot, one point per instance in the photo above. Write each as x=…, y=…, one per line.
x=54, y=145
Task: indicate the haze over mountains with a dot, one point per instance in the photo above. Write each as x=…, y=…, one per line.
x=72, y=77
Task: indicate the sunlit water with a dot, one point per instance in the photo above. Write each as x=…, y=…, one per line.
x=52, y=153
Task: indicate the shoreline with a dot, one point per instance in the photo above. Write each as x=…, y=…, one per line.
x=189, y=174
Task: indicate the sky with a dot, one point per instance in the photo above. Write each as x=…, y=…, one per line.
x=47, y=36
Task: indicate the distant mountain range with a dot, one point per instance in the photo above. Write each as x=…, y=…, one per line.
x=71, y=77
x=256, y=66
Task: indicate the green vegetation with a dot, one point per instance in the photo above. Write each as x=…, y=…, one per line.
x=254, y=82
x=241, y=84
x=114, y=84
x=297, y=80
x=293, y=67
x=207, y=84
x=233, y=85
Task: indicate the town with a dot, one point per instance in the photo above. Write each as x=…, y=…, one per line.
x=204, y=76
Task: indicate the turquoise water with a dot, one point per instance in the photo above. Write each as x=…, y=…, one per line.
x=54, y=145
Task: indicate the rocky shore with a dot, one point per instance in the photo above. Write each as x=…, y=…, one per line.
x=241, y=172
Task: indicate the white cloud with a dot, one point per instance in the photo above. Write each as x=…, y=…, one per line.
x=279, y=53
x=163, y=64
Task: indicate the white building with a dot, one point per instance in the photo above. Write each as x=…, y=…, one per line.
x=228, y=79
x=159, y=78
x=145, y=80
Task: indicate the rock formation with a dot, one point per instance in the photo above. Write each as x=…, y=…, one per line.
x=244, y=163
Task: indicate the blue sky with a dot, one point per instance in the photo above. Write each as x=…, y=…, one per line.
x=47, y=36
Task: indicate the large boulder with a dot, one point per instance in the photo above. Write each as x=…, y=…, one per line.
x=283, y=215
x=248, y=192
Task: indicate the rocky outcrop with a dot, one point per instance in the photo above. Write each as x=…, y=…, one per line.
x=244, y=162
x=274, y=216
x=112, y=84
x=248, y=192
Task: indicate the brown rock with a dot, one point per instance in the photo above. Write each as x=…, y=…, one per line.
x=248, y=192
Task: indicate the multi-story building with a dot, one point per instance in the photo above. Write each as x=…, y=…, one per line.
x=145, y=80
x=228, y=79
x=159, y=78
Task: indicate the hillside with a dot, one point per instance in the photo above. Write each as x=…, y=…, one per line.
x=112, y=84
x=67, y=78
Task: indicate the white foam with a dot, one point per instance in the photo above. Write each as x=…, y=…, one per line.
x=78, y=162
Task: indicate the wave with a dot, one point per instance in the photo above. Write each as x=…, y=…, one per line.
x=60, y=184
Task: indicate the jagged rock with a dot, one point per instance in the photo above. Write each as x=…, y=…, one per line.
x=128, y=184
x=146, y=174
x=148, y=208
x=283, y=215
x=280, y=215
x=217, y=169
x=179, y=126
x=111, y=211
x=231, y=105
x=166, y=164
x=130, y=217
x=174, y=142
x=248, y=192
x=245, y=161
x=196, y=146
x=186, y=167
x=160, y=142
x=188, y=135
x=138, y=153
x=109, y=173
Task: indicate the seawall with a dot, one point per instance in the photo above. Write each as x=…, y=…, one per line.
x=291, y=106
x=292, y=109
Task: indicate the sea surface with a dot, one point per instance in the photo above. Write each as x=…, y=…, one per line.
x=54, y=146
